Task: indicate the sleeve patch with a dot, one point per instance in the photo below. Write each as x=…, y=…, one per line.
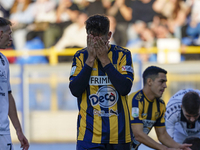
x=73, y=70
x=127, y=68
x=135, y=112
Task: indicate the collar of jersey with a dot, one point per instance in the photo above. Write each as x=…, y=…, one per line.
x=147, y=98
x=109, y=48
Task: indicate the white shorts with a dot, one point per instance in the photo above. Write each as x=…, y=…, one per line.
x=5, y=142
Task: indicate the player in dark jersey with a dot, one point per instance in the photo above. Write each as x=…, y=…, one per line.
x=101, y=78
x=147, y=110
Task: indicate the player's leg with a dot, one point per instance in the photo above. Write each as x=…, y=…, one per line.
x=5, y=142
x=82, y=145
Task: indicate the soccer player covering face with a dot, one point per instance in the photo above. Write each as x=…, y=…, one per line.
x=182, y=115
x=147, y=110
x=7, y=103
x=101, y=78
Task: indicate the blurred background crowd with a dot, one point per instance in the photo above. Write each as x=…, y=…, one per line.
x=43, y=24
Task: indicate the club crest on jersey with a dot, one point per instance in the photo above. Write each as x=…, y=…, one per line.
x=144, y=115
x=106, y=97
x=127, y=68
x=157, y=115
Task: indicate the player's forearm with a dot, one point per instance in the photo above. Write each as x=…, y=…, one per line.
x=13, y=114
x=79, y=83
x=165, y=139
x=146, y=140
x=90, y=61
x=120, y=82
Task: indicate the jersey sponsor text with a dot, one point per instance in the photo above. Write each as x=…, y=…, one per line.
x=99, y=80
x=105, y=97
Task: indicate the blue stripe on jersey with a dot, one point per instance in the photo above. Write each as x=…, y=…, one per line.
x=114, y=56
x=100, y=69
x=128, y=59
x=77, y=55
x=85, y=56
x=89, y=125
x=78, y=124
x=135, y=103
x=158, y=105
x=79, y=102
x=121, y=118
x=158, y=122
x=105, y=128
x=89, y=120
x=105, y=120
x=149, y=112
x=143, y=101
x=79, y=116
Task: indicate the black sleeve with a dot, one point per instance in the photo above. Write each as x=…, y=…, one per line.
x=120, y=82
x=79, y=83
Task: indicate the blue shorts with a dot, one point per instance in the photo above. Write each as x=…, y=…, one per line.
x=82, y=145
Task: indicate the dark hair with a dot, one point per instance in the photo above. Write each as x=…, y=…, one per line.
x=152, y=72
x=195, y=141
x=97, y=25
x=4, y=22
x=191, y=102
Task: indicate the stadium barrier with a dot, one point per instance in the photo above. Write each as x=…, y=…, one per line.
x=53, y=54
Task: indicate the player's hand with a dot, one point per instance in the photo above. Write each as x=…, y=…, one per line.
x=91, y=46
x=23, y=140
x=185, y=146
x=91, y=50
x=102, y=47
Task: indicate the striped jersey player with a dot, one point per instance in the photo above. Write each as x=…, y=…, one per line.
x=149, y=113
x=147, y=110
x=101, y=78
x=103, y=112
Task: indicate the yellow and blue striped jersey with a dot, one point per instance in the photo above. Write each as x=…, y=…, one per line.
x=147, y=112
x=103, y=113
